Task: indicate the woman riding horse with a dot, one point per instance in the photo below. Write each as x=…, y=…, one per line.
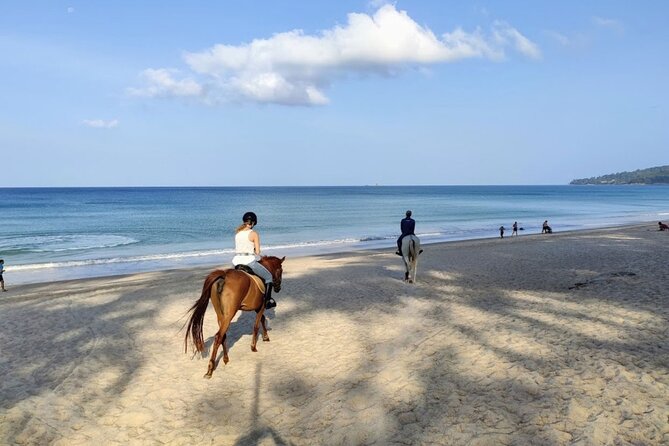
x=247, y=252
x=229, y=291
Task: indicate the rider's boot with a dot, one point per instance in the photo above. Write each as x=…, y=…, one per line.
x=269, y=301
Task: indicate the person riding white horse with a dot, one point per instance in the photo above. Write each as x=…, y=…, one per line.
x=407, y=226
x=410, y=252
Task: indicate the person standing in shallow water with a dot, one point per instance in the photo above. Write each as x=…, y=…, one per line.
x=407, y=226
x=545, y=228
x=2, y=270
x=247, y=252
x=501, y=232
x=515, y=229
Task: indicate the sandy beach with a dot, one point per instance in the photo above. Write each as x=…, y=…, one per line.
x=539, y=339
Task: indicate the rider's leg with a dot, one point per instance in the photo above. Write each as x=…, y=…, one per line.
x=399, y=245
x=269, y=301
x=266, y=276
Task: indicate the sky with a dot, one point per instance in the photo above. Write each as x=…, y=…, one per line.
x=300, y=93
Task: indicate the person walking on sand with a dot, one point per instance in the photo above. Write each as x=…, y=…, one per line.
x=247, y=252
x=407, y=226
x=501, y=231
x=515, y=229
x=2, y=270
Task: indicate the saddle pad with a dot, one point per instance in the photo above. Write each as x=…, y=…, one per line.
x=259, y=282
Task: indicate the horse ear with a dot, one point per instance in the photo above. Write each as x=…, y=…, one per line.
x=284, y=258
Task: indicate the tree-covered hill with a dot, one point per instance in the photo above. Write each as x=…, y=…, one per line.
x=652, y=175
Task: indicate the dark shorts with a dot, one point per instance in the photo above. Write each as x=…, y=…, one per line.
x=1, y=279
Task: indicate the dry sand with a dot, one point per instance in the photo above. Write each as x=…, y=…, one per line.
x=495, y=344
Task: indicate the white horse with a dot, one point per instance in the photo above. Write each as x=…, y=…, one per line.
x=410, y=251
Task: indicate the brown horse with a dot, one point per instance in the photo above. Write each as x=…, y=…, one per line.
x=231, y=290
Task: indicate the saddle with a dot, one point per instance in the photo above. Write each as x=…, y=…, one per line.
x=257, y=279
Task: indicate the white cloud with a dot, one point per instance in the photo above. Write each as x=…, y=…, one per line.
x=375, y=4
x=608, y=23
x=507, y=35
x=100, y=123
x=70, y=10
x=573, y=40
x=161, y=83
x=559, y=38
x=295, y=68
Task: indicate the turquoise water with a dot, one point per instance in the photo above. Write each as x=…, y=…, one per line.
x=64, y=233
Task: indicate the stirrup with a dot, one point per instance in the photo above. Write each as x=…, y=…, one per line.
x=270, y=303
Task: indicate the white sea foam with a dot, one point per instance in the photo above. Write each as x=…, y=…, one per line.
x=174, y=256
x=62, y=243
x=113, y=260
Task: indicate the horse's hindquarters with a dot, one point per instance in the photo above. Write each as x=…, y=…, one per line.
x=410, y=252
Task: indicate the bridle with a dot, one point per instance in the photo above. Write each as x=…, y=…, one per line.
x=277, y=272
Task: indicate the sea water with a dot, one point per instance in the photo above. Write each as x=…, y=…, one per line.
x=64, y=233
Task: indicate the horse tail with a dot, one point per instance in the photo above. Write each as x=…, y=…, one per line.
x=196, y=321
x=413, y=255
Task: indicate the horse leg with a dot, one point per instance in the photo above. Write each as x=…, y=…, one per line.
x=214, y=351
x=265, y=336
x=406, y=269
x=225, y=348
x=219, y=339
x=259, y=316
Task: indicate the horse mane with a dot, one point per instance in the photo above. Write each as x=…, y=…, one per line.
x=274, y=262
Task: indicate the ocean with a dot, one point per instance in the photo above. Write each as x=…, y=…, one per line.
x=49, y=234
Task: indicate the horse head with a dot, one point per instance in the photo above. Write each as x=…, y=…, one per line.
x=273, y=265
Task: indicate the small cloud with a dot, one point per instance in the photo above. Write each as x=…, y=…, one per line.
x=70, y=10
x=100, y=123
x=162, y=83
x=483, y=11
x=559, y=38
x=506, y=35
x=376, y=4
x=608, y=23
x=574, y=40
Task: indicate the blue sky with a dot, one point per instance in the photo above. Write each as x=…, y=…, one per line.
x=223, y=93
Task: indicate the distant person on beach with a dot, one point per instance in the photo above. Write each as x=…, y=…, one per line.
x=515, y=229
x=407, y=226
x=501, y=231
x=247, y=252
x=2, y=270
x=545, y=229
x=663, y=227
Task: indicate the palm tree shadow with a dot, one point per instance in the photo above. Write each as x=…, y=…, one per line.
x=259, y=430
x=258, y=434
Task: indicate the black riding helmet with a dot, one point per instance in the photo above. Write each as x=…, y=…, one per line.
x=250, y=217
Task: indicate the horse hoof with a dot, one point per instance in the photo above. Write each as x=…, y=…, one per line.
x=265, y=339
x=226, y=360
x=207, y=375
x=253, y=349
